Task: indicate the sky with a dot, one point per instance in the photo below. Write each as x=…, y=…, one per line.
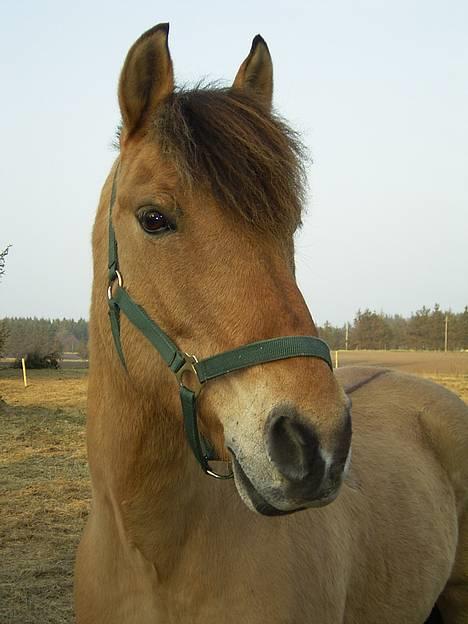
x=379, y=91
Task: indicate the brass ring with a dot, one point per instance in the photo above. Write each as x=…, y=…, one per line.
x=119, y=278
x=189, y=366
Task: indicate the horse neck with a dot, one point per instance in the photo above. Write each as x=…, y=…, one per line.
x=140, y=463
x=141, y=466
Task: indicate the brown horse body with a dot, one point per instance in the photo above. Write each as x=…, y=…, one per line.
x=165, y=543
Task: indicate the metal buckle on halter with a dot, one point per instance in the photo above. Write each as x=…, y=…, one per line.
x=189, y=367
x=119, y=278
x=229, y=474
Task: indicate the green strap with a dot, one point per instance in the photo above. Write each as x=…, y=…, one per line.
x=200, y=446
x=136, y=315
x=189, y=410
x=113, y=257
x=114, y=317
x=260, y=352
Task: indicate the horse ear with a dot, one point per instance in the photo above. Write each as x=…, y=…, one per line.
x=255, y=75
x=147, y=78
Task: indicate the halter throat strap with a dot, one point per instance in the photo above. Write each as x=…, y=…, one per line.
x=180, y=363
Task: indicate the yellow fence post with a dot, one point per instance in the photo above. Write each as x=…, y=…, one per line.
x=336, y=358
x=24, y=373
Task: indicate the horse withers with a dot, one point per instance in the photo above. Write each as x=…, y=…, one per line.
x=201, y=349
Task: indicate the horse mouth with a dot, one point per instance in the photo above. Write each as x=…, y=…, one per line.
x=247, y=490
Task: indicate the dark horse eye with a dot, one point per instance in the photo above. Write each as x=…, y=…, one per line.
x=154, y=222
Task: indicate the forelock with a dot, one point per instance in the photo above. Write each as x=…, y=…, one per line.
x=247, y=157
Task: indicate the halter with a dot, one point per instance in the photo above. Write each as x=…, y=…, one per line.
x=180, y=363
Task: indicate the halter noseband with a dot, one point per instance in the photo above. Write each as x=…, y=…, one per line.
x=179, y=362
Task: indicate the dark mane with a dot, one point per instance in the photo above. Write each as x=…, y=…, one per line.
x=248, y=157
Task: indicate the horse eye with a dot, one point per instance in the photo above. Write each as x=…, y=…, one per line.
x=154, y=222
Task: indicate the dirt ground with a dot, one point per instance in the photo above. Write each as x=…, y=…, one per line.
x=44, y=485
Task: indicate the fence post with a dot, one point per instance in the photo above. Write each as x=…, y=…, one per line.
x=446, y=334
x=336, y=358
x=24, y=373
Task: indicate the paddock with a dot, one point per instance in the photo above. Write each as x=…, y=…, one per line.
x=45, y=488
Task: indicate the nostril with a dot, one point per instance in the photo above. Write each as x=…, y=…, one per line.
x=293, y=446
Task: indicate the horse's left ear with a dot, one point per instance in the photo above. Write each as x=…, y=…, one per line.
x=255, y=75
x=147, y=78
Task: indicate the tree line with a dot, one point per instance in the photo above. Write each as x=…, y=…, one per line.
x=424, y=329
x=42, y=341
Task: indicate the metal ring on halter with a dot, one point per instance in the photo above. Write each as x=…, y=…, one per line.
x=219, y=476
x=189, y=367
x=119, y=278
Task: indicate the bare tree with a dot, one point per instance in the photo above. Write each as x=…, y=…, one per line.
x=3, y=329
x=3, y=255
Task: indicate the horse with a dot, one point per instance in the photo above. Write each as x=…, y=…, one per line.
x=259, y=498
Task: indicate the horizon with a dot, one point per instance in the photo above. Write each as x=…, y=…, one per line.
x=380, y=313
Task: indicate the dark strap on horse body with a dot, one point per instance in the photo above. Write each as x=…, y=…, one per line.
x=113, y=264
x=246, y=356
x=200, y=447
x=159, y=339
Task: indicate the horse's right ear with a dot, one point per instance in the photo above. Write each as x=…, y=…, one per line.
x=146, y=79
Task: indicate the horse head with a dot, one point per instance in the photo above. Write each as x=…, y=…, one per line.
x=206, y=200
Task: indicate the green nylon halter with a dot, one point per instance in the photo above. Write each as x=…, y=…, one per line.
x=179, y=362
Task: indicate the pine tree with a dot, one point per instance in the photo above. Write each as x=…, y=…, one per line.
x=333, y=336
x=370, y=331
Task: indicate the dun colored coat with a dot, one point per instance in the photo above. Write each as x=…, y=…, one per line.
x=208, y=196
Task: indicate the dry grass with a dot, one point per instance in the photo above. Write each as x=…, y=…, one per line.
x=419, y=362
x=456, y=383
x=46, y=388
x=448, y=369
x=44, y=494
x=44, y=485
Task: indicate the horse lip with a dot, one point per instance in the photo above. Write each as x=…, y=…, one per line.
x=257, y=500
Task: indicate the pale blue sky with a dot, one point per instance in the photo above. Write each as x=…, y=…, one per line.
x=378, y=89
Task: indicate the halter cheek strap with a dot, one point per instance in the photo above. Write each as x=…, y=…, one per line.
x=180, y=363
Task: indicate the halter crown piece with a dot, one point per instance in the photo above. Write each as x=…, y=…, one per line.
x=179, y=362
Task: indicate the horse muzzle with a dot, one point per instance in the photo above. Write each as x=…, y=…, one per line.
x=299, y=472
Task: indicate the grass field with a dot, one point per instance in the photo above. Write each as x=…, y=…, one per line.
x=44, y=493
x=44, y=486
x=449, y=369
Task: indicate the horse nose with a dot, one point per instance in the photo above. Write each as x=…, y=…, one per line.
x=294, y=448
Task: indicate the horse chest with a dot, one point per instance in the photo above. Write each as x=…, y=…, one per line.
x=245, y=605
x=261, y=592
